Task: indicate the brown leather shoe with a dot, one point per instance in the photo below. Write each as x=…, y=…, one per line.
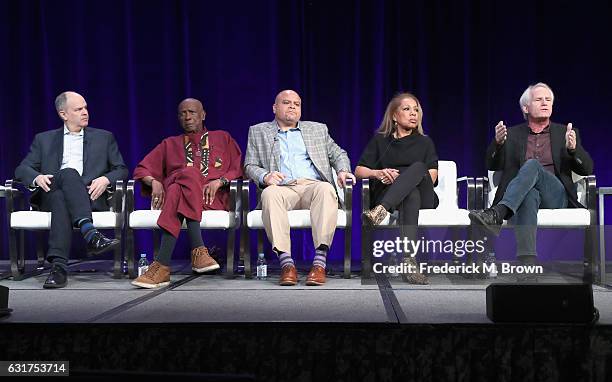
x=288, y=276
x=156, y=276
x=316, y=276
x=201, y=261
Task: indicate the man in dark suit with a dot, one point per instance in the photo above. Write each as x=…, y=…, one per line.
x=71, y=168
x=537, y=159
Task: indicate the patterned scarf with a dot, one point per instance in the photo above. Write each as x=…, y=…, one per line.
x=202, y=150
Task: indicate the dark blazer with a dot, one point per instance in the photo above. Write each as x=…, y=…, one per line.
x=101, y=157
x=511, y=156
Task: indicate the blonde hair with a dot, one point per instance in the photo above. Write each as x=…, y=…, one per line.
x=387, y=126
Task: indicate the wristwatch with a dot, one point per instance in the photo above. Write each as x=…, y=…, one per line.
x=224, y=181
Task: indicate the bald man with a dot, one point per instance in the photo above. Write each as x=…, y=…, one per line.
x=293, y=160
x=71, y=168
x=185, y=175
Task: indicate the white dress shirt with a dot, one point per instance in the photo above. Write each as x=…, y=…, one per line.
x=73, y=150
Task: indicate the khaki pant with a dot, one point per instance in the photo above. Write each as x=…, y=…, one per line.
x=317, y=196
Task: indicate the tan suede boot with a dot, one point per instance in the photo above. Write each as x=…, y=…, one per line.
x=156, y=276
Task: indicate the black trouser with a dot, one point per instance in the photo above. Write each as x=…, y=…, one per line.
x=411, y=191
x=68, y=201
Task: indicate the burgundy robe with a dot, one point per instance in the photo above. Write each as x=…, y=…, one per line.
x=183, y=185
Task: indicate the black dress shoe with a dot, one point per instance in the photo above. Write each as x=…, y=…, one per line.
x=100, y=244
x=488, y=218
x=58, y=278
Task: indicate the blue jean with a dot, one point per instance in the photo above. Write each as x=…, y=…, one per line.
x=532, y=188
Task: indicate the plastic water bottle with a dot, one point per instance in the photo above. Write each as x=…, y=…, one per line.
x=143, y=264
x=393, y=262
x=492, y=266
x=262, y=267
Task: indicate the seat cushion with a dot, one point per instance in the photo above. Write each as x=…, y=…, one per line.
x=42, y=220
x=440, y=217
x=297, y=219
x=147, y=219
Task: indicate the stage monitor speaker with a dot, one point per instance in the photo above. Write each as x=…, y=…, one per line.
x=559, y=303
x=4, y=309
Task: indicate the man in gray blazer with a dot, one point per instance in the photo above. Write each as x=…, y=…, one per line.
x=293, y=161
x=71, y=168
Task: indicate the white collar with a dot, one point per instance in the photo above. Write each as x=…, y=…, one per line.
x=68, y=132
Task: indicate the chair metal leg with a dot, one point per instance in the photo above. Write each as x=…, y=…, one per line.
x=247, y=255
x=17, y=269
x=244, y=249
x=118, y=258
x=229, y=263
x=129, y=252
x=40, y=252
x=590, y=274
x=366, y=253
x=347, y=253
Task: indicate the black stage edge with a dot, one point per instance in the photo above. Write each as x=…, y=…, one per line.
x=319, y=351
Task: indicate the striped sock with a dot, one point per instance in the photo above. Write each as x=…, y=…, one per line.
x=285, y=259
x=320, y=258
x=87, y=230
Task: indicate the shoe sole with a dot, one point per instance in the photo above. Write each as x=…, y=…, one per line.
x=150, y=286
x=54, y=286
x=101, y=251
x=314, y=283
x=288, y=283
x=206, y=269
x=475, y=219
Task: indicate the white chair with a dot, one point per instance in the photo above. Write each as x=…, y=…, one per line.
x=212, y=219
x=447, y=214
x=298, y=219
x=20, y=220
x=563, y=217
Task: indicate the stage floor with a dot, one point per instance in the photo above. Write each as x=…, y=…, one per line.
x=92, y=296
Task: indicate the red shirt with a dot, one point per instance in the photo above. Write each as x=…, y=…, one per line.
x=538, y=148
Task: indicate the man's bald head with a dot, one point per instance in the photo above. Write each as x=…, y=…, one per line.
x=191, y=115
x=287, y=109
x=72, y=109
x=62, y=99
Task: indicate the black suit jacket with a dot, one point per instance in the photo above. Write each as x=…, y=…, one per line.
x=511, y=156
x=101, y=157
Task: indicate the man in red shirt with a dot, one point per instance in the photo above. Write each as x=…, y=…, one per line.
x=185, y=175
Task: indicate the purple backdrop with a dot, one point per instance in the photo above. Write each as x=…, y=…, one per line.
x=468, y=61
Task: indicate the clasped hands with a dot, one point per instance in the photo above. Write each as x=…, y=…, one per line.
x=387, y=175
x=276, y=178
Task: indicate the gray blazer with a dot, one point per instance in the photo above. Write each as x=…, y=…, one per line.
x=263, y=151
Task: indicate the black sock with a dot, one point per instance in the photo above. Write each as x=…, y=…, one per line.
x=502, y=211
x=195, y=235
x=166, y=248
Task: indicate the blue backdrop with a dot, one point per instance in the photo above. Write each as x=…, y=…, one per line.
x=468, y=62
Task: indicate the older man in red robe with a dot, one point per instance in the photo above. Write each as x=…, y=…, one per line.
x=185, y=175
